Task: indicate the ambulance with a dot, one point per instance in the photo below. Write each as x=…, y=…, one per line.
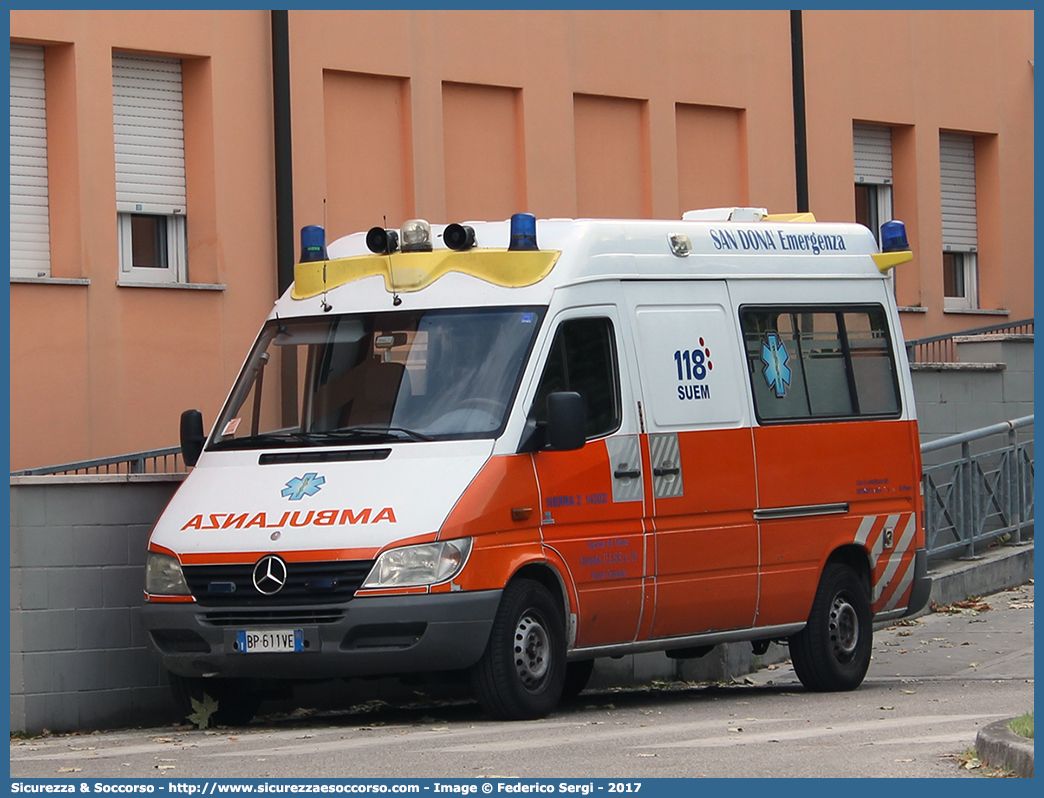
x=506, y=449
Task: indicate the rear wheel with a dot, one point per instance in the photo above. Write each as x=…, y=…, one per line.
x=522, y=671
x=235, y=706
x=832, y=652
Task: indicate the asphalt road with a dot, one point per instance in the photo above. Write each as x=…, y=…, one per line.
x=932, y=684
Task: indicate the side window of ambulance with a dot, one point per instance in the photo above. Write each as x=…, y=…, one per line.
x=820, y=363
x=583, y=359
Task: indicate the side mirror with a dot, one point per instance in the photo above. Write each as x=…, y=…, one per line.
x=192, y=436
x=566, y=421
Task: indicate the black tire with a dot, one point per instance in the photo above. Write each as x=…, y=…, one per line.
x=578, y=674
x=832, y=652
x=235, y=706
x=522, y=671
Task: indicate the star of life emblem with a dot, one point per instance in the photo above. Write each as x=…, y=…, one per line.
x=775, y=357
x=299, y=487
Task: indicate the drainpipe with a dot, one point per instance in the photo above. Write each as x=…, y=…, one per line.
x=284, y=170
x=797, y=67
x=284, y=195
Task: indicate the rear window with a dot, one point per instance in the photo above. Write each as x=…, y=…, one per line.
x=819, y=363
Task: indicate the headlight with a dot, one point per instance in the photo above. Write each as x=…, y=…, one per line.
x=426, y=564
x=163, y=576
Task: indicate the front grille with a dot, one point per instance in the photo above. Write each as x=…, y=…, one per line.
x=306, y=583
x=270, y=617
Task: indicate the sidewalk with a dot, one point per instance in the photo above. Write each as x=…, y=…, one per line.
x=996, y=569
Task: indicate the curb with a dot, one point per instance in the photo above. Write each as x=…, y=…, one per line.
x=995, y=569
x=997, y=745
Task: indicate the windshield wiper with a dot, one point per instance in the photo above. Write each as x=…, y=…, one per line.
x=264, y=439
x=269, y=440
x=365, y=433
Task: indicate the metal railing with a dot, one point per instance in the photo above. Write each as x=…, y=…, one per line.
x=971, y=501
x=154, y=461
x=942, y=349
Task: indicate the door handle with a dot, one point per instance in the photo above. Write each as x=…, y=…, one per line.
x=666, y=472
x=627, y=474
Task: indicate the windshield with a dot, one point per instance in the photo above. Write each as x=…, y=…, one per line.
x=403, y=375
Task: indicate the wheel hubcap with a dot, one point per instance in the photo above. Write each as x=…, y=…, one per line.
x=532, y=651
x=844, y=628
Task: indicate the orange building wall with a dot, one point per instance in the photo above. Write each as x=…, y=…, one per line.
x=922, y=72
x=97, y=369
x=457, y=115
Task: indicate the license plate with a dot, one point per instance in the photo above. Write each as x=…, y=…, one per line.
x=258, y=641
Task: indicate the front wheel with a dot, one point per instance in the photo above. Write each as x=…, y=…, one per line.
x=832, y=652
x=522, y=671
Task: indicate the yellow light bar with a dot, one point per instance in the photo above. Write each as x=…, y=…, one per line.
x=789, y=217
x=889, y=260
x=404, y=272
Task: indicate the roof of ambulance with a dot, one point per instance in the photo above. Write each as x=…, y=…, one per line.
x=614, y=249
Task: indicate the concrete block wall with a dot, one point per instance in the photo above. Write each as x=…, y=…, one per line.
x=78, y=656
x=993, y=382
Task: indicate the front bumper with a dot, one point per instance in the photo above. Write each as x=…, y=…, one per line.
x=377, y=636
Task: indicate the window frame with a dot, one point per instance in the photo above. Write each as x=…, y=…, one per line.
x=968, y=265
x=754, y=371
x=538, y=418
x=176, y=268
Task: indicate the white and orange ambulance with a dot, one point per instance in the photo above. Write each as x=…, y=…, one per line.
x=510, y=448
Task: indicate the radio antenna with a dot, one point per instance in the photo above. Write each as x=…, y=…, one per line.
x=325, y=305
x=396, y=299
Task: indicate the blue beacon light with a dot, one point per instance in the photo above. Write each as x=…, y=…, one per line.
x=523, y=231
x=893, y=237
x=313, y=243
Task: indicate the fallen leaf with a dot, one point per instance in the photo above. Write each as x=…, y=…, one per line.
x=908, y=692
x=203, y=710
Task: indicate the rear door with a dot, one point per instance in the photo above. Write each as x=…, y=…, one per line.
x=701, y=456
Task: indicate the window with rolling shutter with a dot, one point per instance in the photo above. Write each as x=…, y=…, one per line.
x=872, y=150
x=960, y=229
x=149, y=131
x=957, y=173
x=30, y=223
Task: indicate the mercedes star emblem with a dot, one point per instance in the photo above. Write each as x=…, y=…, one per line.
x=269, y=575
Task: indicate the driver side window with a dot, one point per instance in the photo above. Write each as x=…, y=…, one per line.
x=583, y=359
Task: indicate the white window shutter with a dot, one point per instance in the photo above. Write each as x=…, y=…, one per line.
x=30, y=224
x=957, y=171
x=873, y=154
x=149, y=128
